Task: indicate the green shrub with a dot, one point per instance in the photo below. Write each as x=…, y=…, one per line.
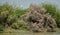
x=10, y=15
x=53, y=11
x=5, y=11
x=15, y=26
x=19, y=24
x=20, y=12
x=1, y=28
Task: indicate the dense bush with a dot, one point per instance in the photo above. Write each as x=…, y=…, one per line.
x=9, y=16
x=1, y=28
x=53, y=11
x=19, y=24
x=5, y=11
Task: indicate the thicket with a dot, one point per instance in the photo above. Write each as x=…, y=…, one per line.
x=10, y=16
x=53, y=11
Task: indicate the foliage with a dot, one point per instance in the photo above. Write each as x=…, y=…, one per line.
x=9, y=15
x=53, y=11
x=1, y=28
